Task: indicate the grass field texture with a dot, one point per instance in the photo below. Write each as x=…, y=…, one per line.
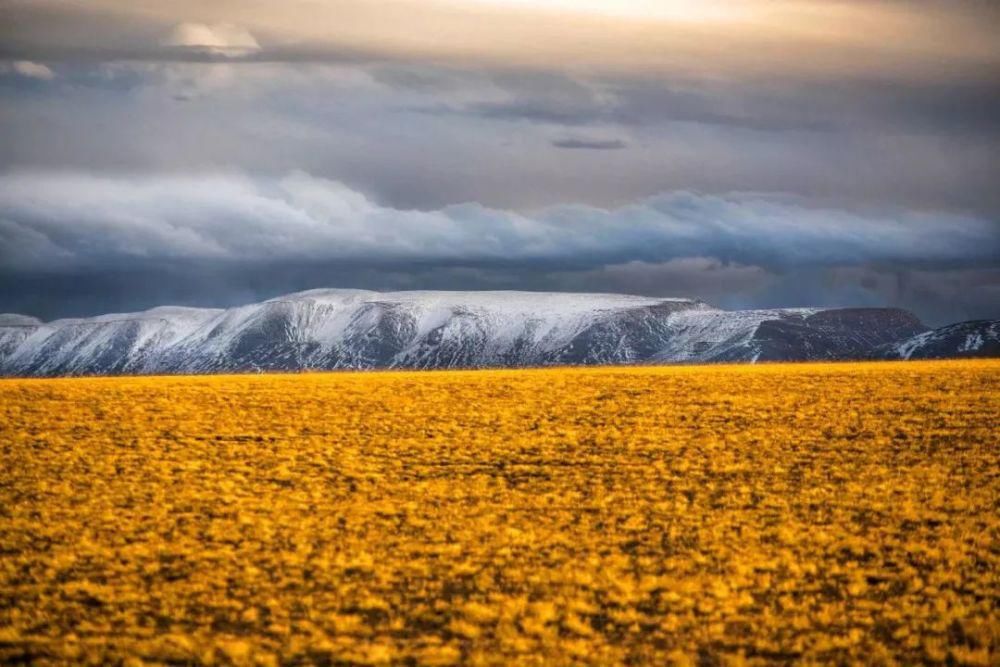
x=712, y=515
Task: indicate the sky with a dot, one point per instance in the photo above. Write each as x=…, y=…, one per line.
x=752, y=153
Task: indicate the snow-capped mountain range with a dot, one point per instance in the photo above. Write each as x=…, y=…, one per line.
x=357, y=329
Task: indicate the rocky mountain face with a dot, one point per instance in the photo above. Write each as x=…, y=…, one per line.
x=978, y=338
x=331, y=329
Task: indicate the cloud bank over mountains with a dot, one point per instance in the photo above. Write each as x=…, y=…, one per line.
x=71, y=226
x=79, y=220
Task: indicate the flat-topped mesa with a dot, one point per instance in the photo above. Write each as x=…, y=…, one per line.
x=362, y=329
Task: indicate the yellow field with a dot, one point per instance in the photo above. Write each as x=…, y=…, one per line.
x=712, y=515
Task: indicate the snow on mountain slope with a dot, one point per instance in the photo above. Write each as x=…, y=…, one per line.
x=977, y=338
x=14, y=329
x=118, y=343
x=15, y=320
x=719, y=334
x=328, y=329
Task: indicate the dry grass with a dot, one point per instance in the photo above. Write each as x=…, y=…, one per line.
x=845, y=513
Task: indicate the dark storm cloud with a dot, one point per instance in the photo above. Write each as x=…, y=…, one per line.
x=938, y=296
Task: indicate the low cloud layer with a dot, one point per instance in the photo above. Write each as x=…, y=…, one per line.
x=72, y=220
x=740, y=249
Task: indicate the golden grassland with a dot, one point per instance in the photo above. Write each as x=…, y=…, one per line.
x=712, y=515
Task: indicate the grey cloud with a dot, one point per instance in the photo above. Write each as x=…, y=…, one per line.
x=535, y=97
x=80, y=33
x=928, y=142
x=964, y=107
x=584, y=143
x=76, y=244
x=646, y=103
x=50, y=220
x=425, y=78
x=344, y=124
